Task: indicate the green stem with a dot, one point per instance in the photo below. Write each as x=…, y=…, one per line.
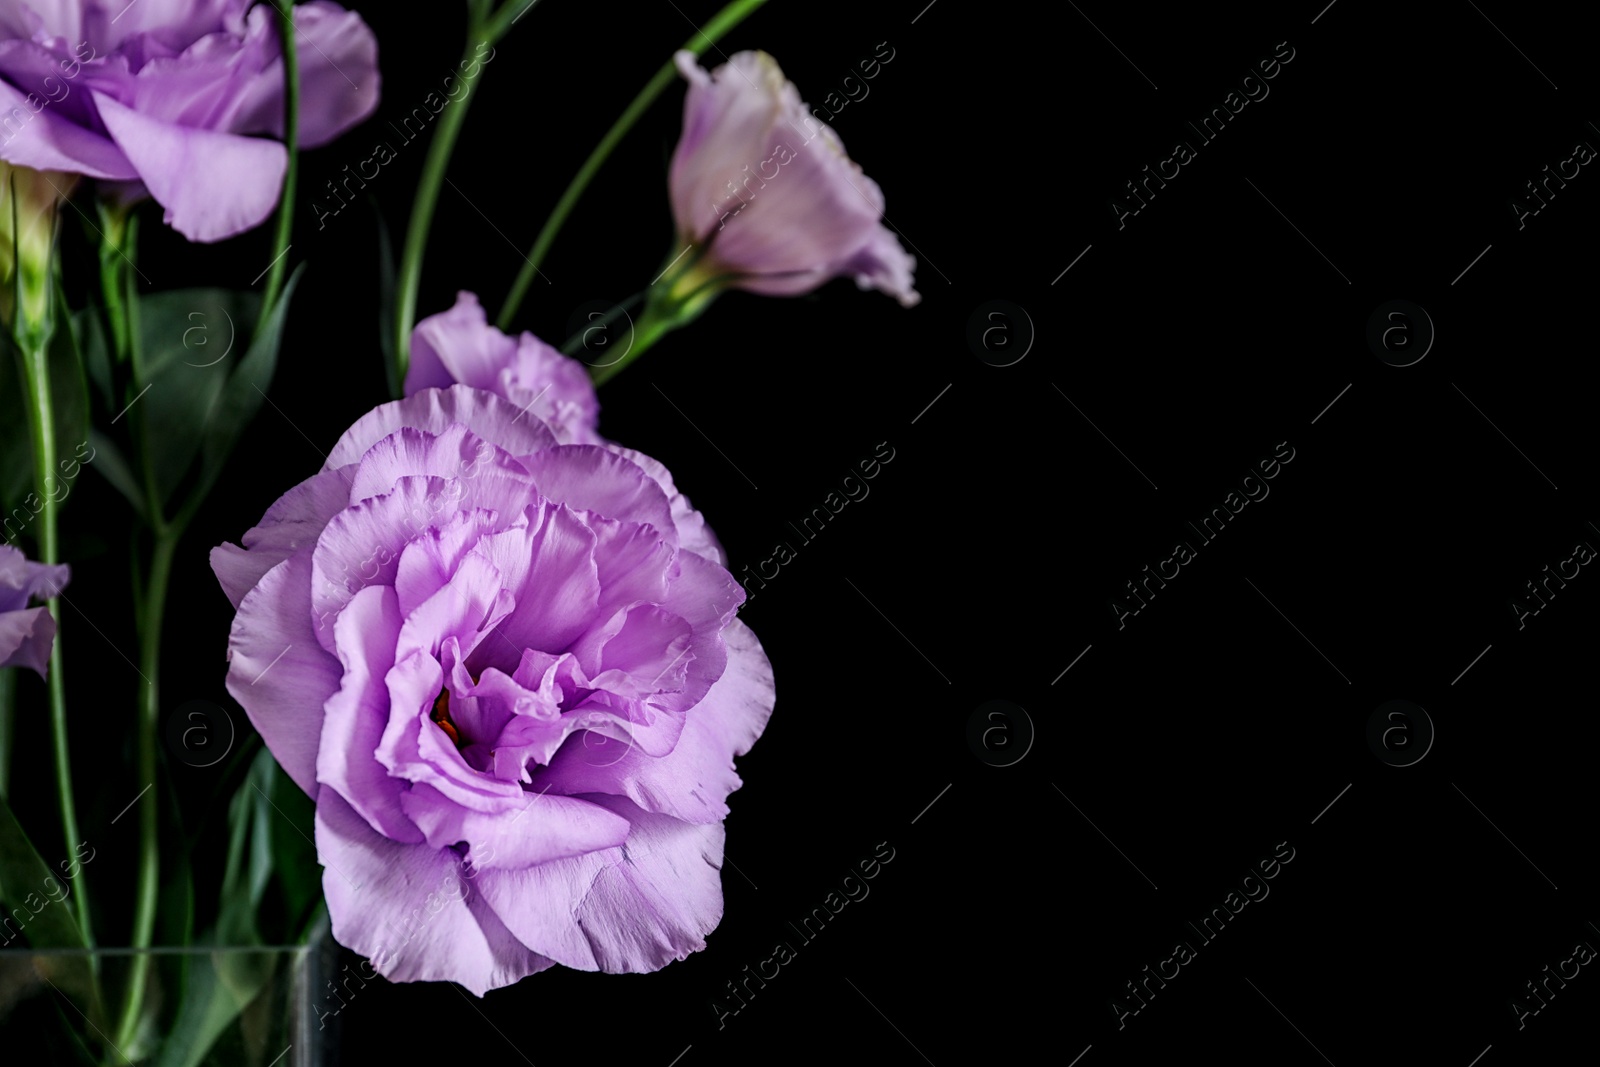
x=291, y=140
x=433, y=176
x=575, y=342
x=116, y=226
x=36, y=373
x=675, y=300
x=651, y=329
x=721, y=23
x=149, y=876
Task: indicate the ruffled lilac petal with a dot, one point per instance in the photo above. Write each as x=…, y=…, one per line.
x=769, y=192
x=693, y=781
x=558, y=597
x=417, y=750
x=818, y=208
x=337, y=54
x=693, y=532
x=411, y=908
x=457, y=345
x=546, y=828
x=174, y=24
x=429, y=561
x=634, y=564
x=468, y=606
x=213, y=185
x=25, y=638
x=455, y=453
x=604, y=482
x=706, y=596
x=634, y=724
x=292, y=523
x=883, y=265
x=362, y=544
x=647, y=654
x=632, y=909
x=46, y=140
x=279, y=672
x=728, y=125
x=354, y=717
x=492, y=418
x=21, y=579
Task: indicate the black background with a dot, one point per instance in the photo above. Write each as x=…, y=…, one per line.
x=1179, y=749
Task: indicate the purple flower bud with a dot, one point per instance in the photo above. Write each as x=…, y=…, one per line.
x=765, y=191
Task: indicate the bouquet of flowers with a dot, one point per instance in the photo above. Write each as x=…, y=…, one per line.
x=488, y=655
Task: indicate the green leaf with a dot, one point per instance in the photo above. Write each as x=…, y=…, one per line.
x=249, y=865
x=294, y=856
x=29, y=887
x=223, y=984
x=219, y=987
x=113, y=467
x=247, y=387
x=91, y=336
x=189, y=338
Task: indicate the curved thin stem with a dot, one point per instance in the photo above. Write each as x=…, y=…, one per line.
x=116, y=223
x=149, y=874
x=433, y=175
x=291, y=140
x=721, y=23
x=36, y=374
x=575, y=342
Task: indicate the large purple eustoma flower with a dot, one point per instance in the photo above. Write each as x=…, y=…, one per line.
x=26, y=634
x=160, y=96
x=767, y=192
x=459, y=345
x=509, y=673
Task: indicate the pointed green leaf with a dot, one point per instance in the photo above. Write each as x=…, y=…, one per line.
x=105, y=458
x=246, y=389
x=190, y=339
x=30, y=887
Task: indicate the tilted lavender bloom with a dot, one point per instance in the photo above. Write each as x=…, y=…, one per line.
x=26, y=634
x=509, y=673
x=160, y=96
x=767, y=192
x=459, y=345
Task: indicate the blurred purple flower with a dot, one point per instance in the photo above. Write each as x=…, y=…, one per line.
x=767, y=194
x=26, y=634
x=509, y=673
x=459, y=345
x=160, y=97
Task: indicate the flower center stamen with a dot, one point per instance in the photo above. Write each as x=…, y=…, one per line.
x=441, y=716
